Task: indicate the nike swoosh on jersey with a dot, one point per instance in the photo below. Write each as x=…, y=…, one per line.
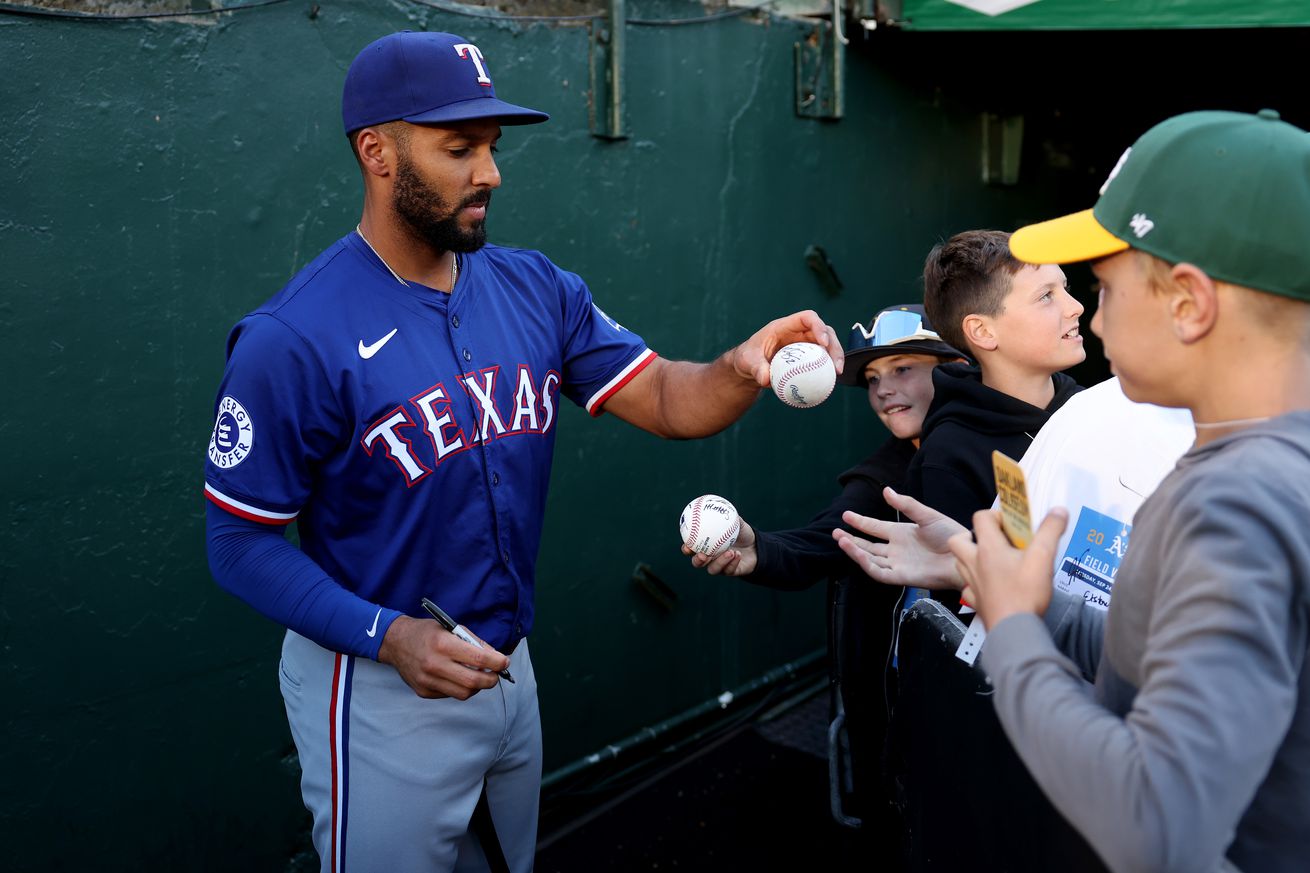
x=369, y=351
x=373, y=631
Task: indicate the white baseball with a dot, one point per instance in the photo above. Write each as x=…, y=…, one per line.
x=803, y=375
x=709, y=525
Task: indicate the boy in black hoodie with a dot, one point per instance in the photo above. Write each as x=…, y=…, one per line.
x=893, y=360
x=1020, y=324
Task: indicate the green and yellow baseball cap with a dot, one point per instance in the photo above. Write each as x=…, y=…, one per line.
x=1226, y=191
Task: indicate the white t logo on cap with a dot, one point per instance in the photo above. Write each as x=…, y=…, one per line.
x=1117, y=167
x=469, y=51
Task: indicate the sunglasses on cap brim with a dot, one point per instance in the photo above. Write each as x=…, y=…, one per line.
x=896, y=326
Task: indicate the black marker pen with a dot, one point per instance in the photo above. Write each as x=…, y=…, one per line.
x=459, y=630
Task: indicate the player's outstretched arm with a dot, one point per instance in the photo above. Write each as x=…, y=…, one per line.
x=910, y=553
x=436, y=663
x=740, y=560
x=685, y=400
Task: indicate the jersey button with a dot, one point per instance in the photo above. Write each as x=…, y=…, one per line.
x=495, y=478
x=454, y=320
x=468, y=356
x=504, y=555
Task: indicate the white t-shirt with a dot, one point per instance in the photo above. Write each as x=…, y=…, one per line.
x=1099, y=456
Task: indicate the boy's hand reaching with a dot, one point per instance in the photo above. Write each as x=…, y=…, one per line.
x=915, y=553
x=740, y=560
x=1001, y=580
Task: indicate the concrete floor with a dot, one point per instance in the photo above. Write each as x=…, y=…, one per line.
x=753, y=800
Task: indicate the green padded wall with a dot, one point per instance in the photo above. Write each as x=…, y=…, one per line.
x=158, y=179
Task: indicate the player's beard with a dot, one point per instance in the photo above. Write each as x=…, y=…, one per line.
x=429, y=218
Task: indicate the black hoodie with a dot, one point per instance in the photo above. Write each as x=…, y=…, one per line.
x=795, y=559
x=862, y=618
x=952, y=471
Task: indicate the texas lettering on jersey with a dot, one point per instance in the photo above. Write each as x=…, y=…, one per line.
x=409, y=433
x=447, y=423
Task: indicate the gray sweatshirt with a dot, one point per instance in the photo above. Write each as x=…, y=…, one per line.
x=1192, y=751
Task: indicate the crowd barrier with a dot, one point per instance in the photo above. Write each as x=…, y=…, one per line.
x=967, y=800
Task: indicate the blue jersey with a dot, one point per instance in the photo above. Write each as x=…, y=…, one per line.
x=410, y=432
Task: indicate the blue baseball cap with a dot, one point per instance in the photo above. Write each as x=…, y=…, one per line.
x=424, y=78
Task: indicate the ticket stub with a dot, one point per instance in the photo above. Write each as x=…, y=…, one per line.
x=1016, y=521
x=1012, y=491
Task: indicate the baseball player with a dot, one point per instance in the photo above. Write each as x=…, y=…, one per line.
x=398, y=398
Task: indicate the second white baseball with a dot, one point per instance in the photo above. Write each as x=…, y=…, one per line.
x=803, y=375
x=709, y=525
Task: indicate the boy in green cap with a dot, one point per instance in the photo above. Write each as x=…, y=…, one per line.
x=1192, y=753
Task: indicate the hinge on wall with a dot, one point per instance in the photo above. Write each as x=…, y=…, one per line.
x=817, y=260
x=873, y=14
x=888, y=11
x=606, y=108
x=656, y=588
x=820, y=69
x=1002, y=143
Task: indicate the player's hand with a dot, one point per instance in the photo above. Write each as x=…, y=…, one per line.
x=740, y=560
x=914, y=553
x=436, y=663
x=1001, y=580
x=751, y=358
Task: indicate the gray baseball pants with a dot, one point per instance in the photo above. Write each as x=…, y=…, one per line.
x=392, y=779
